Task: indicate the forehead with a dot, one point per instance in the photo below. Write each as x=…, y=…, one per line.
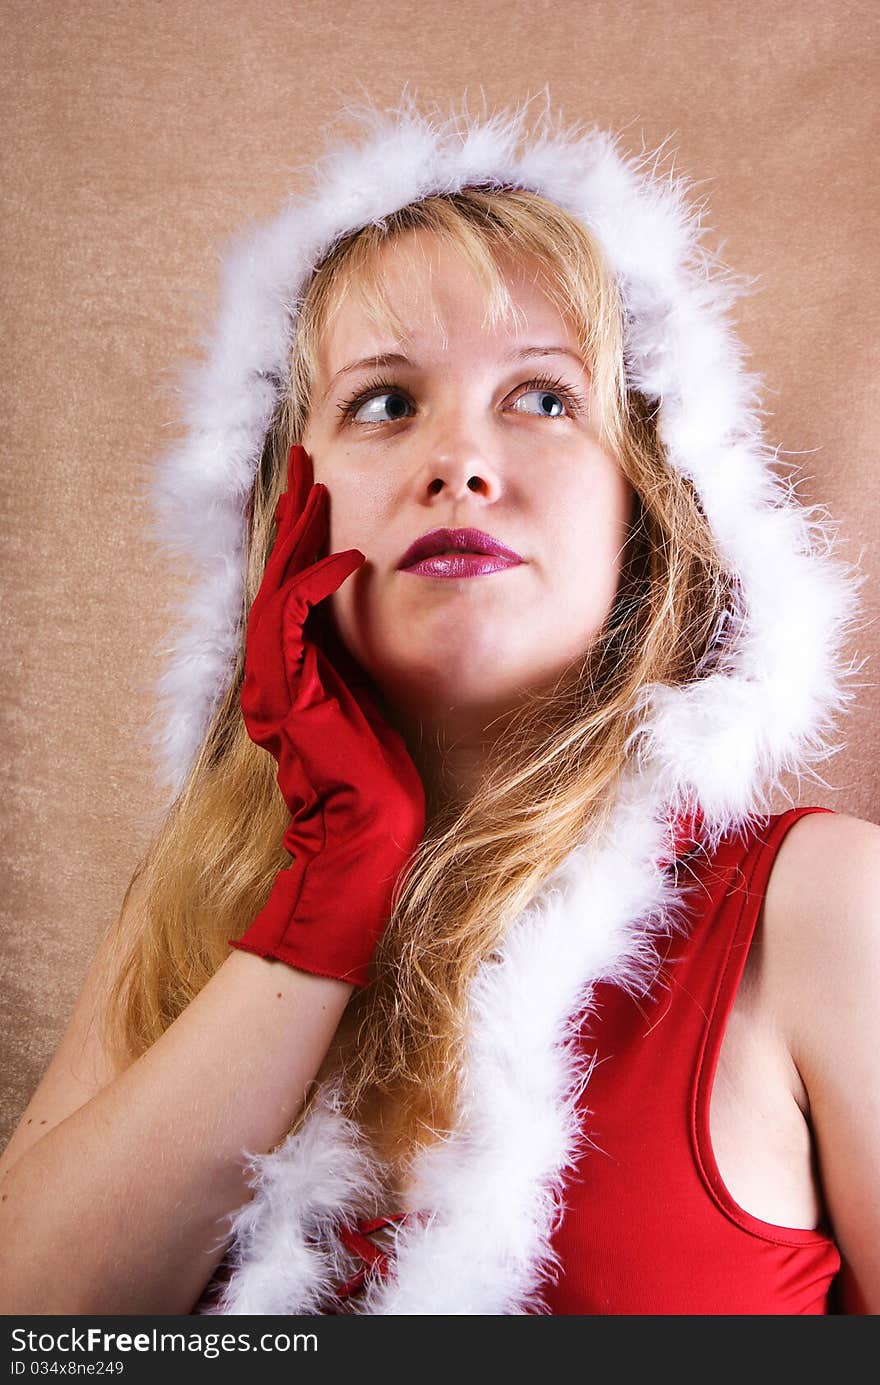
x=440, y=302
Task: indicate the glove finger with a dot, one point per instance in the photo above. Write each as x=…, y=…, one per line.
x=306, y=591
x=309, y=535
x=295, y=547
x=327, y=576
x=302, y=529
x=300, y=479
x=274, y=639
x=300, y=476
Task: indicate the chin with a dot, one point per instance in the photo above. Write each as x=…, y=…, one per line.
x=433, y=669
x=434, y=690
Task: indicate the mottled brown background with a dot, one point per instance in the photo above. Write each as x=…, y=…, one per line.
x=135, y=138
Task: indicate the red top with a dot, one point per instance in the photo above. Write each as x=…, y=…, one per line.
x=650, y=1227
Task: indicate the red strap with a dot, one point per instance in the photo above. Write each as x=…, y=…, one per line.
x=379, y=1222
x=355, y=1240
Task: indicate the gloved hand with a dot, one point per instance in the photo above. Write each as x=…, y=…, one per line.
x=356, y=799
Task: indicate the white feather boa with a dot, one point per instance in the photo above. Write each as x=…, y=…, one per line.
x=492, y=1191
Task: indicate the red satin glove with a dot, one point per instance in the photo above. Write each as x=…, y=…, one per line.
x=357, y=802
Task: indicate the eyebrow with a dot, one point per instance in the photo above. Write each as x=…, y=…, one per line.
x=393, y=358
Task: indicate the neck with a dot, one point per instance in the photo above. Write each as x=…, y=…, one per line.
x=451, y=756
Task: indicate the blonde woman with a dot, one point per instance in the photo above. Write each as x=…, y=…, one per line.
x=468, y=971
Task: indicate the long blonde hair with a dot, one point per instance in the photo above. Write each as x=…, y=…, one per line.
x=210, y=867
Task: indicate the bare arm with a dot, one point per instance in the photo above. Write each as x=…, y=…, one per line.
x=826, y=954
x=120, y=1207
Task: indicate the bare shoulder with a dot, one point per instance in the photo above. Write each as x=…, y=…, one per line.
x=821, y=903
x=822, y=931
x=821, y=957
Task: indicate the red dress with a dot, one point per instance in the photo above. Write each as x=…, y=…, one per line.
x=648, y=1225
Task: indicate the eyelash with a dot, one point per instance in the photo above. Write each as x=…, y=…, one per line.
x=572, y=399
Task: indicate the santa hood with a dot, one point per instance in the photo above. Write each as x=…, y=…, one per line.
x=718, y=747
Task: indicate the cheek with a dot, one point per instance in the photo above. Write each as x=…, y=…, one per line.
x=356, y=501
x=342, y=505
x=590, y=537
x=591, y=523
x=357, y=519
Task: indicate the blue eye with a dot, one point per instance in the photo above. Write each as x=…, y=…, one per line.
x=366, y=407
x=395, y=411
x=546, y=400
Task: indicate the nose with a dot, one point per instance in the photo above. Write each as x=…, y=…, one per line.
x=474, y=484
x=461, y=468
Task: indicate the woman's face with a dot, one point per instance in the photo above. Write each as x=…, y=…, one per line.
x=459, y=436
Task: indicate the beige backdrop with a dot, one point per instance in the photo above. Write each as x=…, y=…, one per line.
x=134, y=138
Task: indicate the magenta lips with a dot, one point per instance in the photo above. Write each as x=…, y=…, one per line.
x=457, y=553
x=459, y=565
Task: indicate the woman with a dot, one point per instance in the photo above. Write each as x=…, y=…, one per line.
x=532, y=1005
